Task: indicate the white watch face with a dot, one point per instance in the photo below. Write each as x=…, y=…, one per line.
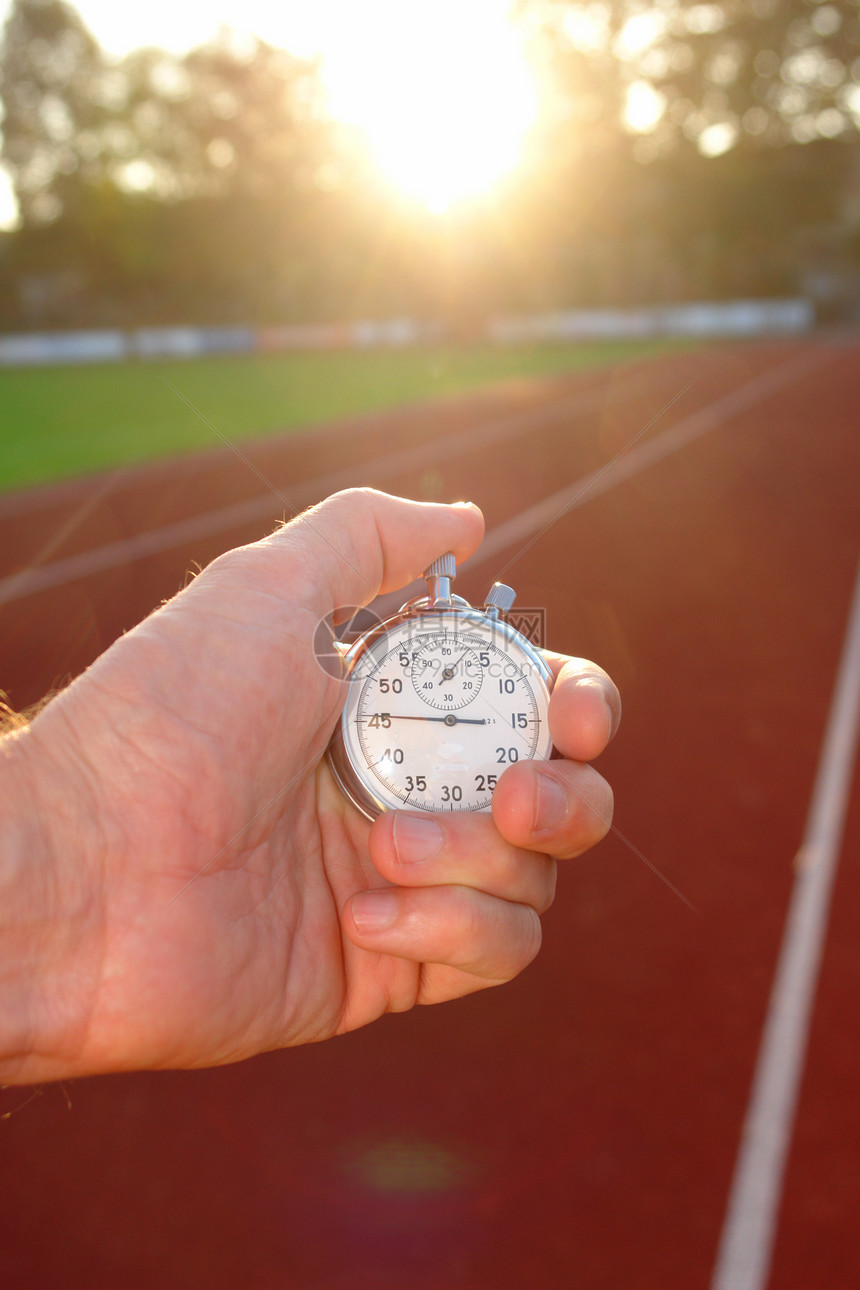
x=438, y=707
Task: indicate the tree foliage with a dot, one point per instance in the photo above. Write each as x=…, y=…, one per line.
x=199, y=184
x=707, y=72
x=50, y=75
x=213, y=187
x=223, y=118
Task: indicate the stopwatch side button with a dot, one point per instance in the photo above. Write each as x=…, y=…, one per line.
x=500, y=598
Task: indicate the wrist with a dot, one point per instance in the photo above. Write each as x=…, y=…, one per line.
x=46, y=916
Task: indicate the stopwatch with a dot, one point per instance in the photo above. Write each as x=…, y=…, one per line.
x=440, y=700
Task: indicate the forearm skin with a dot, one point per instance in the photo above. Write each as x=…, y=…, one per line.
x=48, y=916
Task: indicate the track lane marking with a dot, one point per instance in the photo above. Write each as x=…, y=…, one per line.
x=31, y=580
x=749, y=1231
x=533, y=520
x=36, y=578
x=523, y=527
x=470, y=402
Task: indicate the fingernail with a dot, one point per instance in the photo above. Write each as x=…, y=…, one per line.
x=592, y=683
x=416, y=838
x=551, y=806
x=372, y=911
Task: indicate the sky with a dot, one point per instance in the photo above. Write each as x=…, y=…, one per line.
x=375, y=53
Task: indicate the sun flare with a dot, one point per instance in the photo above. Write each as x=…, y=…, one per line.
x=442, y=93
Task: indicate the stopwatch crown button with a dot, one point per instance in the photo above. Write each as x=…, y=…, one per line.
x=444, y=567
x=500, y=597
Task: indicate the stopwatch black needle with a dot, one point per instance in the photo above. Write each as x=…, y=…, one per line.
x=450, y=720
x=449, y=672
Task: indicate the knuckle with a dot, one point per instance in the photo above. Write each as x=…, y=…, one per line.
x=360, y=496
x=551, y=884
x=529, y=939
x=594, y=804
x=608, y=808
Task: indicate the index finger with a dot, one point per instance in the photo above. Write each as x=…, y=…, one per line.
x=584, y=709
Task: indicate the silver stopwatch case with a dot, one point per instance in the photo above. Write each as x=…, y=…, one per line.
x=441, y=699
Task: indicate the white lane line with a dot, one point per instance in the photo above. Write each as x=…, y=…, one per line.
x=114, y=554
x=749, y=1231
x=521, y=528
x=111, y=555
x=57, y=573
x=471, y=403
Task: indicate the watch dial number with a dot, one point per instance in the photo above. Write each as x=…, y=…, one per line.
x=446, y=672
x=485, y=783
x=380, y=719
x=507, y=755
x=416, y=784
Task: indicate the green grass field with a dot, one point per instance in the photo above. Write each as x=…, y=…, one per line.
x=64, y=421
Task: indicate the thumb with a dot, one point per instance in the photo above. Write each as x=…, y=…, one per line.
x=360, y=543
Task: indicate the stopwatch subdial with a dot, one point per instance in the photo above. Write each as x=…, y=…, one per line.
x=447, y=675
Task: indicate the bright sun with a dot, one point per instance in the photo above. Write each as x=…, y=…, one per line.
x=442, y=92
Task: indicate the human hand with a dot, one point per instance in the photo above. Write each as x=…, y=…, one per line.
x=198, y=888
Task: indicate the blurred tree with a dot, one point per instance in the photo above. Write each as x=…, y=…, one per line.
x=187, y=186
x=226, y=117
x=717, y=97
x=50, y=71
x=213, y=187
x=711, y=72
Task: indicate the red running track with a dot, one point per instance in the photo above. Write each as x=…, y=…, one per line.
x=580, y=1126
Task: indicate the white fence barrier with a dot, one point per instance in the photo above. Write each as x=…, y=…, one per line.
x=716, y=318
x=62, y=347
x=706, y=318
x=191, y=342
